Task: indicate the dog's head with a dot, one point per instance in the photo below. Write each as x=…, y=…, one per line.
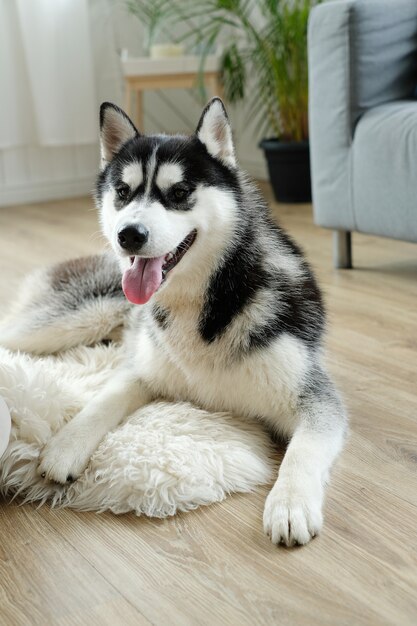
x=166, y=202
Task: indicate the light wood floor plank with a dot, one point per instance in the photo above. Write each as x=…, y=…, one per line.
x=45, y=580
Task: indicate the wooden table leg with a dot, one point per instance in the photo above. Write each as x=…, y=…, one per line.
x=134, y=104
x=216, y=87
x=138, y=119
x=128, y=98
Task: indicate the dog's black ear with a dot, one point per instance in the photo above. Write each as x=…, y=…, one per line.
x=115, y=129
x=215, y=133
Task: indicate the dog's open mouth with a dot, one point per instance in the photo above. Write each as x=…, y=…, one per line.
x=145, y=276
x=173, y=258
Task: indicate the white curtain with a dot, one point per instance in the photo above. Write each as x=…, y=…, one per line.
x=47, y=76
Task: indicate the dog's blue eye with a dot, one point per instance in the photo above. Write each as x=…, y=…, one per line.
x=123, y=191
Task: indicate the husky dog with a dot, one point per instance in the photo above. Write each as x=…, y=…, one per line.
x=229, y=314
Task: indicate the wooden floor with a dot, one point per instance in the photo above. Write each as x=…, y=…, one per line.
x=214, y=566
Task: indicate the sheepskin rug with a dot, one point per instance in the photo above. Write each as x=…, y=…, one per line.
x=164, y=458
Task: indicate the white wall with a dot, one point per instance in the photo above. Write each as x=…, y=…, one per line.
x=32, y=173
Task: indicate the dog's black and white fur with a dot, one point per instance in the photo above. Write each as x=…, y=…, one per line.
x=236, y=324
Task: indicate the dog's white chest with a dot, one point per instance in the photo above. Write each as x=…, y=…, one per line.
x=261, y=384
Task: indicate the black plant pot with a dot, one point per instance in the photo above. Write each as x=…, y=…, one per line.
x=289, y=169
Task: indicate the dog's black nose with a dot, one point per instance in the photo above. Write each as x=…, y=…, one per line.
x=132, y=238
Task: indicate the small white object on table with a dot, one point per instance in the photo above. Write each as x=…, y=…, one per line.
x=141, y=74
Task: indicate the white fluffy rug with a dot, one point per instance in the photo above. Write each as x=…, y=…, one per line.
x=165, y=458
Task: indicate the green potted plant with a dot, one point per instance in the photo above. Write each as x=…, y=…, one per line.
x=264, y=61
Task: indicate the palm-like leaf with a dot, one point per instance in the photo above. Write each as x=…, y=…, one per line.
x=265, y=44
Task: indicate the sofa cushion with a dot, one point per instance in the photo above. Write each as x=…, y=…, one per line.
x=383, y=49
x=384, y=171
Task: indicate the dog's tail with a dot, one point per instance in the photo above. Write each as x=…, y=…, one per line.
x=78, y=302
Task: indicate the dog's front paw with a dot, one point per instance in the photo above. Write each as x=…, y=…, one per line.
x=292, y=514
x=63, y=459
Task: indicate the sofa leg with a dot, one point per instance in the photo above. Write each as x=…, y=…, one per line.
x=342, y=249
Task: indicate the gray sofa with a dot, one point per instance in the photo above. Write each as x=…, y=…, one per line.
x=363, y=119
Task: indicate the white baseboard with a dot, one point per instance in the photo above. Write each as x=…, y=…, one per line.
x=28, y=193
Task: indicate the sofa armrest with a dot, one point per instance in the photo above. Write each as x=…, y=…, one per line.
x=362, y=53
x=330, y=122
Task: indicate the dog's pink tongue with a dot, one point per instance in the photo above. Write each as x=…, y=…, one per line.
x=142, y=279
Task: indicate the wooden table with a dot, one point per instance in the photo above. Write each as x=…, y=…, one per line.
x=143, y=74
